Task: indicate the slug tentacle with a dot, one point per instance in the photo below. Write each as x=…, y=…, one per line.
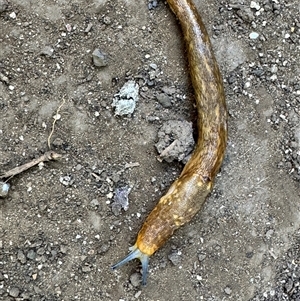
x=135, y=253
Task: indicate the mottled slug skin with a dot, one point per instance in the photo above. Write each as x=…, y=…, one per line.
x=188, y=193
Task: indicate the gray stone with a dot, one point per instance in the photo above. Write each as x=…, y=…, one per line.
x=135, y=279
x=164, y=100
x=125, y=101
x=14, y=292
x=99, y=58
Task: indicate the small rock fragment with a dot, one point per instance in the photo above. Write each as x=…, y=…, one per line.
x=116, y=209
x=86, y=268
x=67, y=180
x=227, y=290
x=103, y=248
x=4, y=188
x=94, y=203
x=47, y=51
x=63, y=249
x=152, y=4
x=168, y=90
x=174, y=258
x=14, y=292
x=201, y=257
x=255, y=5
x=99, y=58
x=31, y=254
x=21, y=256
x=88, y=28
x=269, y=233
x=246, y=14
x=121, y=200
x=164, y=100
x=125, y=101
x=57, y=142
x=253, y=35
x=135, y=279
x=13, y=15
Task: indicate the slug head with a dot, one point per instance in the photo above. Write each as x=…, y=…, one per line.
x=136, y=253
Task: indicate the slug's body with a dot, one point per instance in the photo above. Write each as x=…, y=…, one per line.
x=188, y=193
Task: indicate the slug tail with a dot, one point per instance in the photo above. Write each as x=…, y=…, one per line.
x=136, y=253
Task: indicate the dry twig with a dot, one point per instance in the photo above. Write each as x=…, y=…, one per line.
x=48, y=156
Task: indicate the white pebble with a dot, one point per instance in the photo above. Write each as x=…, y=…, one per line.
x=253, y=35
x=110, y=195
x=255, y=5
x=13, y=15
x=247, y=85
x=274, y=69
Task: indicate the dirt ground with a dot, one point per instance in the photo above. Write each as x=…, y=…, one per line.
x=60, y=231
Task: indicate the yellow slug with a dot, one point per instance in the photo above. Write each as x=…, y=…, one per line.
x=187, y=194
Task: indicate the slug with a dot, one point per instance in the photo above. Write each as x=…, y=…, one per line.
x=187, y=194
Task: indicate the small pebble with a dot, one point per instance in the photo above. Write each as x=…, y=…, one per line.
x=67, y=180
x=254, y=5
x=4, y=188
x=153, y=66
x=57, y=142
x=201, y=257
x=168, y=90
x=86, y=269
x=48, y=51
x=63, y=249
x=164, y=100
x=227, y=290
x=31, y=254
x=103, y=248
x=174, y=258
x=14, y=292
x=125, y=101
x=21, y=256
x=13, y=15
x=99, y=58
x=253, y=35
x=152, y=4
x=137, y=294
x=135, y=279
x=88, y=28
x=121, y=197
x=274, y=69
x=94, y=203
